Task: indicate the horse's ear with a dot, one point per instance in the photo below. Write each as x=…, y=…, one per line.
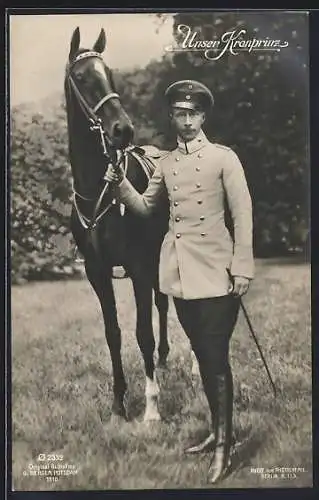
x=100, y=43
x=75, y=43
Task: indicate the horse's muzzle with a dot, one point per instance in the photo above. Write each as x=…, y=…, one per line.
x=122, y=134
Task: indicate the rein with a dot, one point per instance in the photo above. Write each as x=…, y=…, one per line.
x=92, y=223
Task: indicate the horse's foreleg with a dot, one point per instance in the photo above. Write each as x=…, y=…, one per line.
x=145, y=338
x=102, y=284
x=161, y=302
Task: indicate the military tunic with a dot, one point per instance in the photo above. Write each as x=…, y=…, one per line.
x=198, y=248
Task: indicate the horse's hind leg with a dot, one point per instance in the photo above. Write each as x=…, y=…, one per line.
x=145, y=337
x=161, y=302
x=102, y=284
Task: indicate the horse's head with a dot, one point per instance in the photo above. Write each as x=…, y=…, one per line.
x=92, y=83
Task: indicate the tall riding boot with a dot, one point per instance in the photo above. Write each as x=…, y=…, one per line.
x=208, y=443
x=223, y=427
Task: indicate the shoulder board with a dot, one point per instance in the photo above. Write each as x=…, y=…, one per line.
x=221, y=146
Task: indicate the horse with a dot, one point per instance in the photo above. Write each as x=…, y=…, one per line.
x=106, y=233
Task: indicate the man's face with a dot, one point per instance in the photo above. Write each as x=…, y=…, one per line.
x=187, y=122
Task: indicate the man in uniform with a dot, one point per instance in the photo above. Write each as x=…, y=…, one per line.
x=202, y=267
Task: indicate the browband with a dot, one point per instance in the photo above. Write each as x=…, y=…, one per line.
x=91, y=53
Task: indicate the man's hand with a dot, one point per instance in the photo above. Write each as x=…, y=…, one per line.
x=114, y=176
x=240, y=286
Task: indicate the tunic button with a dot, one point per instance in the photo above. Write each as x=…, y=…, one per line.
x=202, y=217
x=198, y=184
x=200, y=155
x=175, y=203
x=175, y=173
x=203, y=234
x=178, y=235
x=197, y=169
x=175, y=188
x=199, y=202
x=177, y=219
x=177, y=158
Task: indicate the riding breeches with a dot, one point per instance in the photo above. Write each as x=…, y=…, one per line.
x=209, y=324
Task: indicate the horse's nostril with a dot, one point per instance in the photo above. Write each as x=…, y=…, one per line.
x=123, y=133
x=117, y=132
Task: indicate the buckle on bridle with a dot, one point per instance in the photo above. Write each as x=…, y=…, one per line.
x=92, y=225
x=96, y=124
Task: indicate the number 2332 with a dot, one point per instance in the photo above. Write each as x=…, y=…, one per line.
x=49, y=457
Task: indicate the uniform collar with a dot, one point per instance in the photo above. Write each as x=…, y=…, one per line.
x=193, y=145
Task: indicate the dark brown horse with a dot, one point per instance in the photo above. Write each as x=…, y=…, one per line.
x=100, y=132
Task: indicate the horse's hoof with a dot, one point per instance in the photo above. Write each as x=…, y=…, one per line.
x=119, y=411
x=118, y=419
x=162, y=364
x=151, y=416
x=136, y=422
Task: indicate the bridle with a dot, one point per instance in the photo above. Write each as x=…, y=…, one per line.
x=95, y=125
x=89, y=112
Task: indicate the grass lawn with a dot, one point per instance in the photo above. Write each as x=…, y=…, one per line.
x=62, y=391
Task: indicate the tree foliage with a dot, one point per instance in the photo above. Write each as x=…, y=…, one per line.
x=40, y=196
